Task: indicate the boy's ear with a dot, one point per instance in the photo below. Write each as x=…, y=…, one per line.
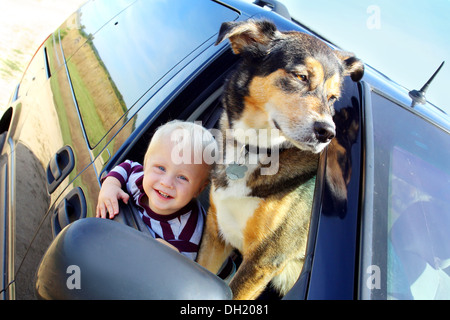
x=353, y=66
x=202, y=187
x=248, y=36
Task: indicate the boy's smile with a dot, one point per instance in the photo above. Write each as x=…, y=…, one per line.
x=163, y=194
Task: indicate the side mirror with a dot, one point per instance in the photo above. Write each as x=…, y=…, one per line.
x=96, y=258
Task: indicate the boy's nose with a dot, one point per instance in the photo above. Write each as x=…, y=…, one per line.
x=167, y=183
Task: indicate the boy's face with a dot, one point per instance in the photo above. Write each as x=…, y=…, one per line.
x=169, y=186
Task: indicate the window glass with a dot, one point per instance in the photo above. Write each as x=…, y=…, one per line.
x=117, y=65
x=406, y=238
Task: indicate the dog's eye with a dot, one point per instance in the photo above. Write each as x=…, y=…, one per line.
x=301, y=77
x=332, y=99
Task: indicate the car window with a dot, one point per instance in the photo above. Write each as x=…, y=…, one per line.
x=406, y=243
x=117, y=65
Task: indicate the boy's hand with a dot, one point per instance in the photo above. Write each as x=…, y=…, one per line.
x=110, y=192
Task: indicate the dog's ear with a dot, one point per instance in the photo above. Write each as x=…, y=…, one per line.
x=352, y=65
x=251, y=36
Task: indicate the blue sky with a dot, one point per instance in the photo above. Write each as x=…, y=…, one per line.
x=405, y=39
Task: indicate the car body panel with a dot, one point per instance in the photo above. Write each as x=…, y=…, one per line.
x=46, y=107
x=49, y=102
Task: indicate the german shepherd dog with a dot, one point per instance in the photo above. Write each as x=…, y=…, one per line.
x=283, y=91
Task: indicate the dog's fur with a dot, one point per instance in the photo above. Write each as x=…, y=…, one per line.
x=286, y=82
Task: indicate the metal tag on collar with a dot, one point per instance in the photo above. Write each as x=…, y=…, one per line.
x=236, y=171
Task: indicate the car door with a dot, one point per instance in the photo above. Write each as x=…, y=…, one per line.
x=43, y=152
x=95, y=86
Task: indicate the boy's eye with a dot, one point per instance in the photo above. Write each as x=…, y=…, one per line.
x=183, y=178
x=161, y=168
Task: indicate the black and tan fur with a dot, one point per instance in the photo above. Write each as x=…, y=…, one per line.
x=286, y=81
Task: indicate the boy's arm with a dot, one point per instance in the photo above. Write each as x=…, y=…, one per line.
x=110, y=192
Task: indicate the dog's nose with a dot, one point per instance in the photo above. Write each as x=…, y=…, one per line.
x=324, y=131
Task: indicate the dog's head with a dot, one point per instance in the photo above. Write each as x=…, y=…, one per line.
x=287, y=81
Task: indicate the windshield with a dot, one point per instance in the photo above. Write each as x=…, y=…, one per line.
x=406, y=243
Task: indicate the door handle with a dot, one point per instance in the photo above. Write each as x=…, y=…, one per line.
x=71, y=208
x=59, y=167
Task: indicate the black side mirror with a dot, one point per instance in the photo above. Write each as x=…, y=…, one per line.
x=96, y=258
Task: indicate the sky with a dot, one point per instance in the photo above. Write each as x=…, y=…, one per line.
x=406, y=40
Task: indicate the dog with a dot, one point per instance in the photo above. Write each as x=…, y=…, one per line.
x=282, y=92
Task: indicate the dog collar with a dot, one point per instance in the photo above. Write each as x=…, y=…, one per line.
x=236, y=170
x=258, y=150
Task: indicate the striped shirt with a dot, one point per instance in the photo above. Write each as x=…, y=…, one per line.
x=183, y=229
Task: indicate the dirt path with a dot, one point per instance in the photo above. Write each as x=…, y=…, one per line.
x=24, y=25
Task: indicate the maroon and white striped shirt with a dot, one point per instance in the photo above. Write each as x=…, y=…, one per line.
x=183, y=229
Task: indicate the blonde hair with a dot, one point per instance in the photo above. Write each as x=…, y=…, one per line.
x=187, y=136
